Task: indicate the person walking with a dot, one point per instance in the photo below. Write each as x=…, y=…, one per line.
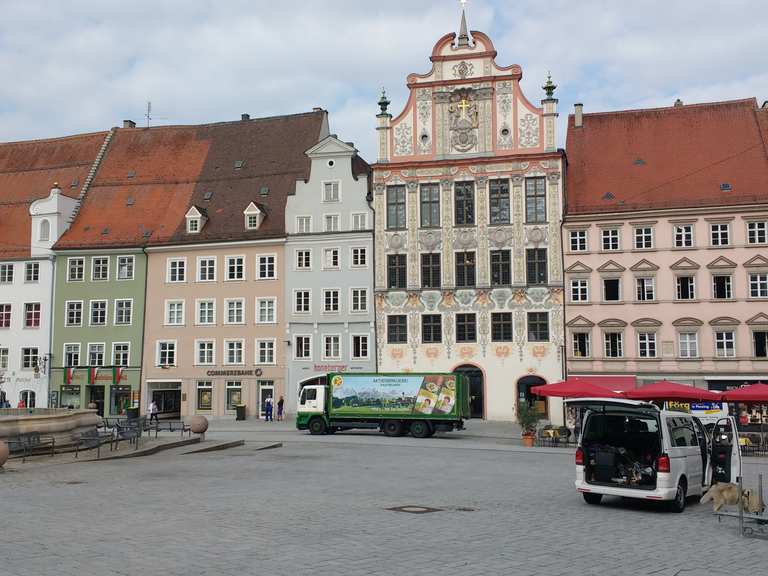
x=268, y=410
x=153, y=410
x=280, y=404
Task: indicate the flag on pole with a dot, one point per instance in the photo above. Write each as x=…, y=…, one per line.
x=117, y=374
x=69, y=373
x=92, y=372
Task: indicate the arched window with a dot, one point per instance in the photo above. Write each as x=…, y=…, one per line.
x=45, y=230
x=28, y=397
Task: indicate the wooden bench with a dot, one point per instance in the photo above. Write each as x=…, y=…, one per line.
x=28, y=442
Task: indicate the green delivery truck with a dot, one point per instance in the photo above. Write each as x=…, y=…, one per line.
x=395, y=404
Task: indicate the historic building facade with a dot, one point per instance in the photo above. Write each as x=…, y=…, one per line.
x=468, y=203
x=666, y=244
x=329, y=269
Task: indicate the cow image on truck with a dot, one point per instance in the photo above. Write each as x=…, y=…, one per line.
x=395, y=404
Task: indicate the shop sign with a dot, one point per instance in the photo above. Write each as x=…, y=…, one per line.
x=121, y=388
x=330, y=367
x=257, y=372
x=70, y=389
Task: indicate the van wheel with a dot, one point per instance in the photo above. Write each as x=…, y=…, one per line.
x=678, y=504
x=317, y=426
x=591, y=498
x=421, y=429
x=392, y=428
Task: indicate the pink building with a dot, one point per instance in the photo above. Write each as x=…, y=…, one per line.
x=666, y=244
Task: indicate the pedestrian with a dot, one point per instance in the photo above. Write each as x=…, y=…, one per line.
x=21, y=404
x=268, y=410
x=280, y=404
x=153, y=410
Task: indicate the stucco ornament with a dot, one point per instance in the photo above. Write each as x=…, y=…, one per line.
x=536, y=235
x=403, y=140
x=429, y=240
x=463, y=69
x=529, y=131
x=463, y=115
x=396, y=242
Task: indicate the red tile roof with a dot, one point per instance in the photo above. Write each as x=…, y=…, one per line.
x=668, y=158
x=150, y=177
x=28, y=171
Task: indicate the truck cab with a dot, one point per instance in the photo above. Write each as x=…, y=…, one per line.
x=311, y=408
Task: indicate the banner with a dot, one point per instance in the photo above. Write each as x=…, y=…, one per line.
x=402, y=394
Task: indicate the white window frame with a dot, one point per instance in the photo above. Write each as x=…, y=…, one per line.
x=158, y=344
x=103, y=354
x=732, y=350
x=34, y=266
x=69, y=268
x=574, y=235
x=66, y=313
x=758, y=280
x=114, y=312
x=257, y=351
x=352, y=346
x=695, y=341
x=756, y=224
x=620, y=342
x=274, y=267
x=325, y=266
x=352, y=291
x=338, y=222
x=621, y=288
x=6, y=267
x=295, y=308
x=684, y=234
x=352, y=221
x=647, y=335
x=694, y=288
x=338, y=199
x=296, y=259
x=227, y=260
x=580, y=289
x=198, y=269
x=167, y=310
x=325, y=310
x=588, y=334
x=21, y=357
x=198, y=342
x=352, y=257
x=64, y=354
x=90, y=313
x=114, y=352
x=168, y=270
x=296, y=348
x=199, y=301
x=323, y=354
x=228, y=341
x=93, y=268
x=257, y=315
x=227, y=302
x=603, y=233
x=652, y=280
x=300, y=218
x=130, y=257
x=197, y=220
x=640, y=235
x=719, y=233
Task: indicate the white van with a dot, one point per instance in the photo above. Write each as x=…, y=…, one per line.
x=635, y=449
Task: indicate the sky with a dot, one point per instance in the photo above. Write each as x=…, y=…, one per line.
x=85, y=65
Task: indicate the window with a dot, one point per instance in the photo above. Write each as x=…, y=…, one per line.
x=174, y=312
x=121, y=354
x=760, y=343
x=74, y=315
x=75, y=270
x=466, y=328
x=465, y=269
x=614, y=344
x=499, y=201
x=29, y=358
x=643, y=238
x=757, y=232
x=580, y=290
x=5, y=315
x=99, y=269
x=535, y=201
x=646, y=344
x=98, y=313
x=234, y=394
x=686, y=287
x=205, y=395
x=303, y=224
x=758, y=285
x=396, y=271
x=645, y=289
x=578, y=240
x=6, y=273
x=125, y=266
x=252, y=221
x=302, y=301
x=303, y=259
x=331, y=258
x=688, y=344
x=430, y=270
x=395, y=207
x=501, y=327
x=3, y=358
x=431, y=328
x=303, y=348
x=538, y=327
x=233, y=351
x=71, y=355
x=684, y=236
x=397, y=329
x=123, y=312
x=610, y=238
x=359, y=257
x=206, y=269
x=234, y=311
x=193, y=225
x=331, y=301
x=206, y=352
x=95, y=354
x=177, y=270
x=235, y=267
x=265, y=352
x=360, y=347
x=464, y=193
x=720, y=234
x=359, y=221
x=31, y=272
x=266, y=311
x=359, y=300
x=501, y=267
x=430, y=205
x=725, y=344
x=332, y=347
x=722, y=287
x=536, y=265
x=44, y=233
x=206, y=312
x=330, y=191
x=581, y=345
x=266, y=266
x=681, y=432
x=32, y=315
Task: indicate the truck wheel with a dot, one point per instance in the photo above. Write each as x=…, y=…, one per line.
x=392, y=428
x=591, y=498
x=317, y=426
x=420, y=429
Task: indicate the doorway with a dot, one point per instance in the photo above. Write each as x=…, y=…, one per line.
x=266, y=390
x=474, y=376
x=168, y=403
x=524, y=393
x=96, y=395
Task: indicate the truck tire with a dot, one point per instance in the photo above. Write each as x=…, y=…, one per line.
x=317, y=426
x=392, y=428
x=421, y=429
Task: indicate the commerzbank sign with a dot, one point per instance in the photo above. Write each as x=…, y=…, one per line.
x=257, y=372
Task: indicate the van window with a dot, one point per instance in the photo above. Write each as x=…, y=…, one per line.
x=611, y=428
x=681, y=432
x=311, y=393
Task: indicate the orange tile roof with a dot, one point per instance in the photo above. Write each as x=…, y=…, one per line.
x=668, y=158
x=28, y=171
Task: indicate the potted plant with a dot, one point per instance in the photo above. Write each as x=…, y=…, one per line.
x=527, y=418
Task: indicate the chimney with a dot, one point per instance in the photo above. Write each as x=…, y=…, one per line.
x=678, y=103
x=578, y=115
x=245, y=117
x=129, y=124
x=317, y=109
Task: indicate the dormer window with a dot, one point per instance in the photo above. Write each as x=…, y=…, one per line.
x=193, y=225
x=195, y=220
x=253, y=217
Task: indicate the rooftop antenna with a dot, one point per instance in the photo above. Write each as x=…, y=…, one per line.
x=149, y=115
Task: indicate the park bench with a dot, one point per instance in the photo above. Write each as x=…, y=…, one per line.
x=172, y=426
x=92, y=439
x=128, y=430
x=29, y=442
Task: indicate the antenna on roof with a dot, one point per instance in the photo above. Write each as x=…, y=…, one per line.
x=149, y=115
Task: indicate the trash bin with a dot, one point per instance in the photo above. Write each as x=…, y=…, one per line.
x=240, y=412
x=132, y=413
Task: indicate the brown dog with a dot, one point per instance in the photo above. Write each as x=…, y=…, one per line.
x=723, y=493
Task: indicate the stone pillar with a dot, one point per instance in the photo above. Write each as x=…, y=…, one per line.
x=446, y=205
x=380, y=240
x=383, y=128
x=550, y=118
x=554, y=203
x=518, y=211
x=412, y=207
x=483, y=257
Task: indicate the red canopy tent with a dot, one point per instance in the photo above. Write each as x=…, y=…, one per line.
x=575, y=388
x=755, y=393
x=666, y=390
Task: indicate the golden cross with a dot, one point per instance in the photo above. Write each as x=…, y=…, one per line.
x=464, y=105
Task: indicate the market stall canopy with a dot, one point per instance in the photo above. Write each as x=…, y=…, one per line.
x=666, y=390
x=575, y=388
x=615, y=383
x=754, y=393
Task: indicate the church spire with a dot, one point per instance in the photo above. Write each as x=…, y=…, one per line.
x=463, y=34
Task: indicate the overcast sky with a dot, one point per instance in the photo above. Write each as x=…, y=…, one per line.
x=84, y=65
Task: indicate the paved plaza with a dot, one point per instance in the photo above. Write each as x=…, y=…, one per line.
x=320, y=505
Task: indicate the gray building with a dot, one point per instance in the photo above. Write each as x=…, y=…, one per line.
x=329, y=269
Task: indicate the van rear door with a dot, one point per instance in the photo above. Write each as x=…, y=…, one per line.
x=725, y=462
